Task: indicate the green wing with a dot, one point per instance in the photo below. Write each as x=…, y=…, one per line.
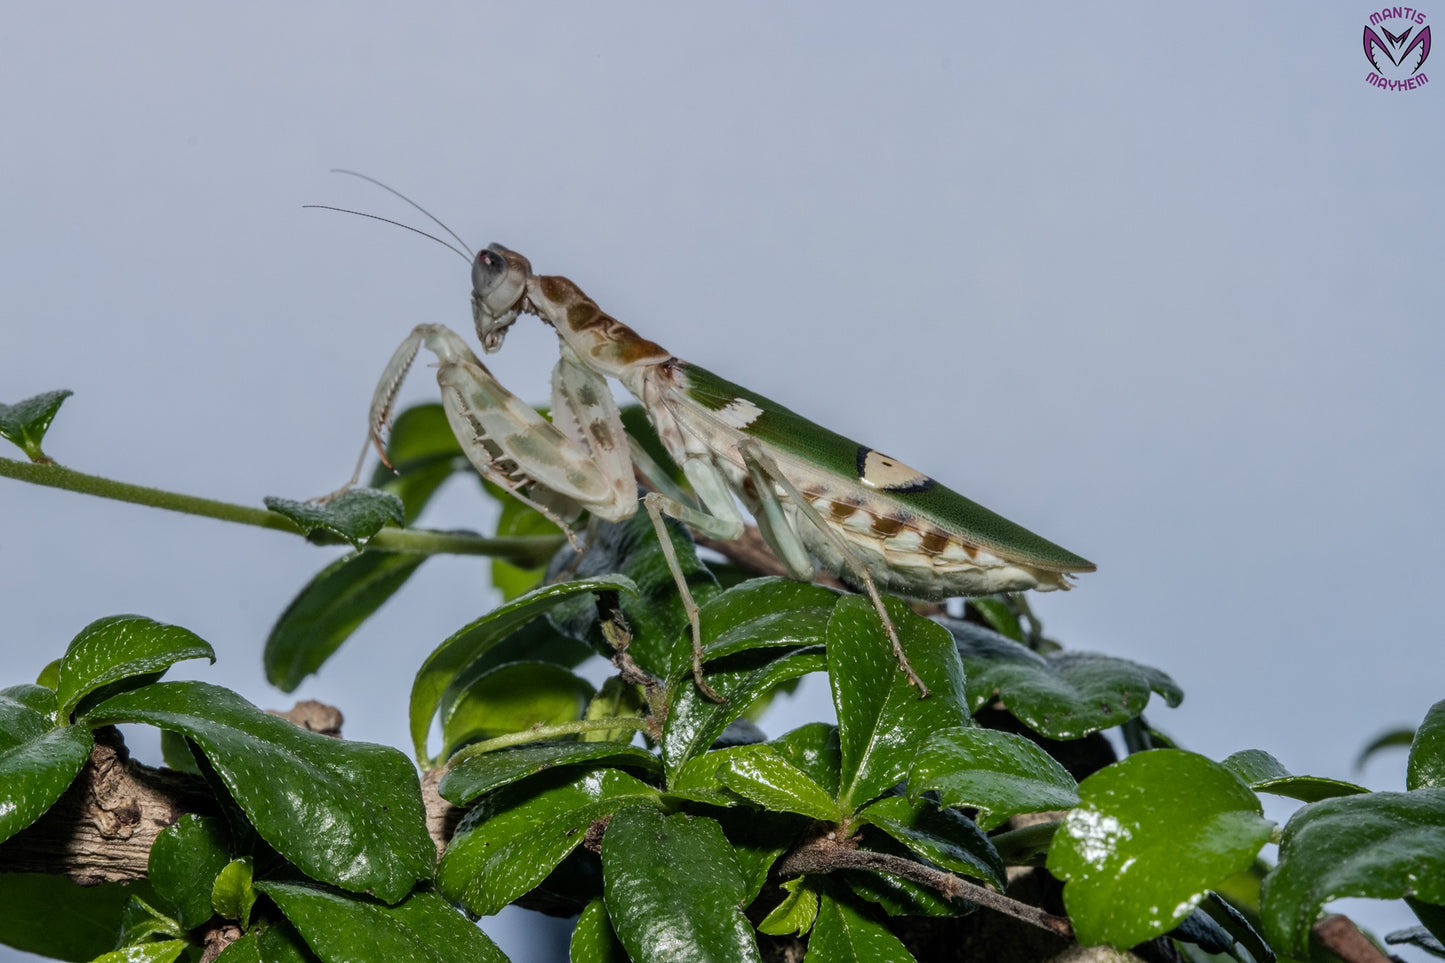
x=874, y=473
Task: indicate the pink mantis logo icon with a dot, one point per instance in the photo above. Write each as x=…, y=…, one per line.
x=1397, y=55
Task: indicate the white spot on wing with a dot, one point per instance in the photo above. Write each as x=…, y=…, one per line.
x=739, y=413
x=880, y=471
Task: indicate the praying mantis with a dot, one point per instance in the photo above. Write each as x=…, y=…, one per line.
x=819, y=499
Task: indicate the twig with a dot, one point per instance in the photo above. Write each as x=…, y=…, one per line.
x=824, y=855
x=1342, y=937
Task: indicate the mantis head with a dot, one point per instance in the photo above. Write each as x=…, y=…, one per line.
x=499, y=289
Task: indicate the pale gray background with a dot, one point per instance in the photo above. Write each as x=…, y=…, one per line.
x=1159, y=282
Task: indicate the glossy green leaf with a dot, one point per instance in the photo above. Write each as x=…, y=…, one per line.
x=674, y=890
x=762, y=612
x=1062, y=696
x=355, y=515
x=1000, y=774
x=424, y=453
x=795, y=914
x=515, y=520
x=26, y=422
x=1383, y=845
x=1389, y=739
x=999, y=615
x=616, y=699
x=347, y=813
x=140, y=921
x=32, y=903
x=881, y=719
x=695, y=721
x=473, y=640
x=38, y=761
x=185, y=860
x=479, y=774
x=660, y=639
x=38, y=697
x=118, y=647
x=272, y=942
x=341, y=928
x=329, y=608
x=814, y=749
x=234, y=893
x=1150, y=835
x=516, y=835
x=761, y=774
x=948, y=838
x=164, y=951
x=844, y=934
x=1427, y=751
x=1262, y=772
x=593, y=940
x=511, y=698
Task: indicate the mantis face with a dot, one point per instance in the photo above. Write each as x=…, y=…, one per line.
x=499, y=288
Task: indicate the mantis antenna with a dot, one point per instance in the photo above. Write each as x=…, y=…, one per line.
x=463, y=251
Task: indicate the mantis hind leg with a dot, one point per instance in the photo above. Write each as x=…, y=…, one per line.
x=784, y=539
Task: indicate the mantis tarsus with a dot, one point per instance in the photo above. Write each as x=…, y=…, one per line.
x=818, y=498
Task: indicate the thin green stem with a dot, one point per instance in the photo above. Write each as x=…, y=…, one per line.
x=1015, y=845
x=530, y=550
x=538, y=733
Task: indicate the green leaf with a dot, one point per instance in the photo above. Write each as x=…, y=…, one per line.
x=999, y=615
x=479, y=774
x=140, y=921
x=233, y=893
x=674, y=890
x=120, y=647
x=814, y=749
x=516, y=835
x=593, y=940
x=473, y=640
x=1383, y=845
x=424, y=453
x=1392, y=738
x=761, y=612
x=1066, y=695
x=695, y=721
x=355, y=515
x=273, y=942
x=38, y=761
x=26, y=422
x=1150, y=835
x=760, y=773
x=185, y=860
x=661, y=642
x=510, y=698
x=341, y=928
x=1000, y=774
x=881, y=719
x=616, y=699
x=949, y=839
x=843, y=934
x=1262, y=772
x=1427, y=751
x=34, y=902
x=795, y=914
x=347, y=813
x=517, y=519
x=329, y=608
x=165, y=951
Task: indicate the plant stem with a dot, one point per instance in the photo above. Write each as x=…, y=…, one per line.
x=531, y=550
x=538, y=733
